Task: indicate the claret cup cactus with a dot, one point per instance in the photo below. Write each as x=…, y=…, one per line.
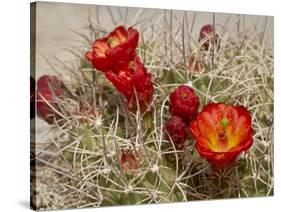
x=137, y=122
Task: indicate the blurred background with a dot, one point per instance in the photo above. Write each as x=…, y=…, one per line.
x=58, y=25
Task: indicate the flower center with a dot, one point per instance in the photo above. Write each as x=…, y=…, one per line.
x=224, y=122
x=222, y=144
x=221, y=133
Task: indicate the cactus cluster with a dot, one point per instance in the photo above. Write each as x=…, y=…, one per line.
x=100, y=152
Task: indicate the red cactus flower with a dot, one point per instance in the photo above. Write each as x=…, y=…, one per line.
x=115, y=49
x=48, y=90
x=206, y=37
x=133, y=80
x=184, y=103
x=222, y=132
x=176, y=130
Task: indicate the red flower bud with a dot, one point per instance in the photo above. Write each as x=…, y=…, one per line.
x=222, y=132
x=130, y=160
x=206, y=37
x=184, y=103
x=48, y=81
x=114, y=50
x=85, y=113
x=176, y=130
x=133, y=80
x=48, y=90
x=195, y=63
x=32, y=97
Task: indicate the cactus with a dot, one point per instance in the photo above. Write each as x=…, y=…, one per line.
x=107, y=155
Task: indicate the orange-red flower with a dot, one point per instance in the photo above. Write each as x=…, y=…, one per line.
x=133, y=80
x=207, y=37
x=114, y=49
x=222, y=132
x=48, y=90
x=184, y=103
x=115, y=55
